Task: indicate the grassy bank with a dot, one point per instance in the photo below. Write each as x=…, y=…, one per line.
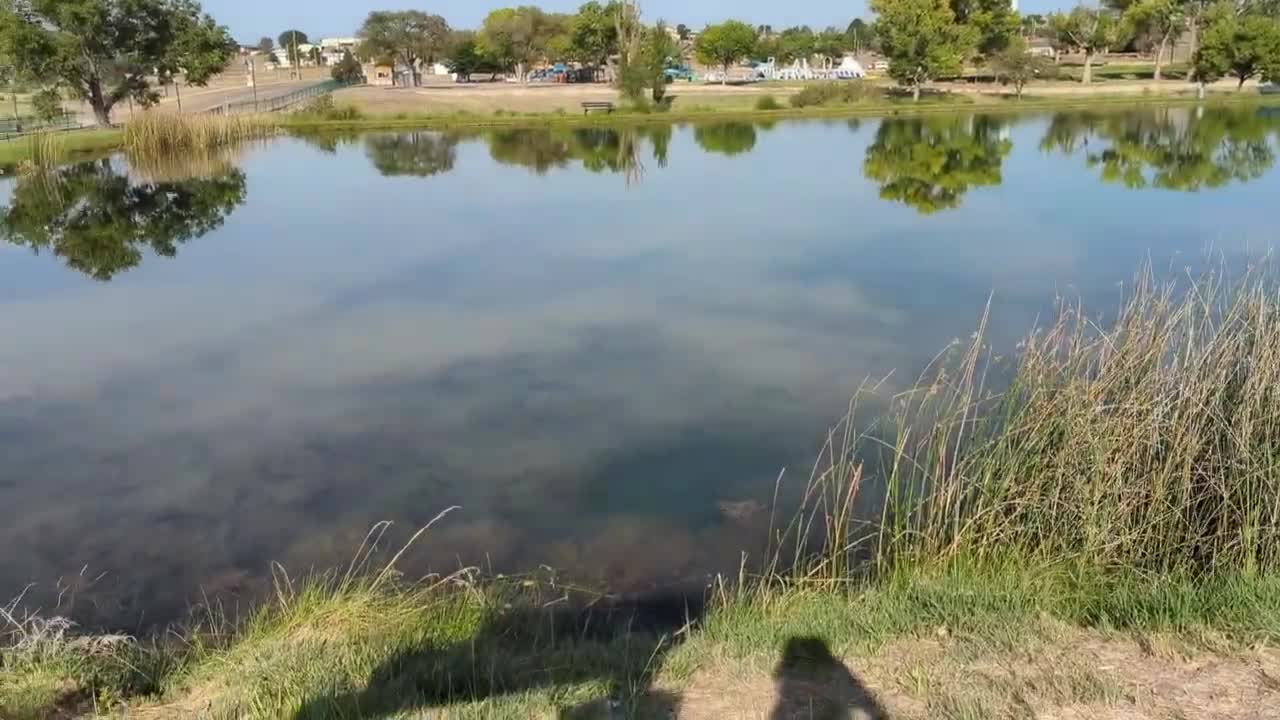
x=171, y=134
x=1065, y=529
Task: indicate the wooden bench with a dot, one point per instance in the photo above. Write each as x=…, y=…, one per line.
x=590, y=105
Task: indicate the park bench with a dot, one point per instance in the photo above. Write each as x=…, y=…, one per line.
x=590, y=105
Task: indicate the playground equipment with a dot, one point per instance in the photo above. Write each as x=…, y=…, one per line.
x=800, y=70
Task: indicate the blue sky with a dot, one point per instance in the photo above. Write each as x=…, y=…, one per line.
x=251, y=19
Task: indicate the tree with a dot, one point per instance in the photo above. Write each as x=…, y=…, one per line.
x=99, y=222
x=516, y=37
x=995, y=21
x=931, y=163
x=861, y=34
x=593, y=36
x=104, y=51
x=410, y=37
x=1158, y=20
x=47, y=105
x=922, y=40
x=266, y=45
x=658, y=52
x=347, y=70
x=1020, y=67
x=683, y=32
x=1243, y=47
x=290, y=39
x=726, y=44
x=730, y=138
x=467, y=57
x=1092, y=31
x=418, y=154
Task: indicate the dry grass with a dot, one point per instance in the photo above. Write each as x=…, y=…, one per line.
x=161, y=134
x=46, y=151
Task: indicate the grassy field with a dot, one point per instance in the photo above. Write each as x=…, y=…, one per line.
x=1089, y=527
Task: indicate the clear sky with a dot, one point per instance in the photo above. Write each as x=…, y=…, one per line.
x=251, y=19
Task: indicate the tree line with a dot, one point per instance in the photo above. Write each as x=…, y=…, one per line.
x=107, y=51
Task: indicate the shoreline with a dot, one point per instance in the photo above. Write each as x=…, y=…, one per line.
x=93, y=142
x=1069, y=546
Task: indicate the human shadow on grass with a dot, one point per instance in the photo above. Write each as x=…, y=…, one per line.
x=619, y=644
x=813, y=685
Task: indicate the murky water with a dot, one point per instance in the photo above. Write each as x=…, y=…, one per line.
x=589, y=340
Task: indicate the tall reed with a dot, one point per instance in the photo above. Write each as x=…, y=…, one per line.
x=1150, y=444
x=47, y=152
x=164, y=133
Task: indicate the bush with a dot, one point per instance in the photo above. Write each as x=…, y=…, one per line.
x=348, y=70
x=835, y=93
x=47, y=105
x=324, y=108
x=768, y=102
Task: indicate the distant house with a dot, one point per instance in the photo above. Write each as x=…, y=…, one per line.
x=333, y=49
x=380, y=75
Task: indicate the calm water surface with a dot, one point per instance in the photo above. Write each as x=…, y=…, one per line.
x=589, y=340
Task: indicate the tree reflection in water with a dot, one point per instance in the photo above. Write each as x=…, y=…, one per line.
x=1172, y=149
x=99, y=220
x=415, y=154
x=931, y=163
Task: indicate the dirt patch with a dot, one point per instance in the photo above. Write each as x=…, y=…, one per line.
x=1080, y=677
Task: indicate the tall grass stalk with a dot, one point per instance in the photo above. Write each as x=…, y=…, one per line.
x=1150, y=444
x=47, y=152
x=158, y=133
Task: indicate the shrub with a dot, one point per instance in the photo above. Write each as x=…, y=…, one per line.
x=324, y=108
x=47, y=105
x=835, y=93
x=768, y=102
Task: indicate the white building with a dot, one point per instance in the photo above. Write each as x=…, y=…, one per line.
x=332, y=49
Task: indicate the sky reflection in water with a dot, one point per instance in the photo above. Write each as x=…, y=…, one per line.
x=587, y=339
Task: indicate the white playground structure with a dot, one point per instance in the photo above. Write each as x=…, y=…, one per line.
x=848, y=69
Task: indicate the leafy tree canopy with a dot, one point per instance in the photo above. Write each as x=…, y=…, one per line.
x=726, y=43
x=922, y=40
x=1242, y=47
x=105, y=51
x=292, y=38
x=410, y=37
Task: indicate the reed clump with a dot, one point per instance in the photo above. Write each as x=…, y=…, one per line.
x=1148, y=444
x=47, y=152
x=163, y=133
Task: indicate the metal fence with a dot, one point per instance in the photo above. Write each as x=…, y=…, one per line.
x=278, y=102
x=11, y=128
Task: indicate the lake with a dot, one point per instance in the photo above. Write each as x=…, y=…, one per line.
x=602, y=345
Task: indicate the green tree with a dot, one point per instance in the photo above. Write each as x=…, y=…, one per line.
x=417, y=154
x=47, y=105
x=729, y=138
x=100, y=223
x=593, y=35
x=1020, y=67
x=467, y=57
x=725, y=44
x=1158, y=22
x=104, y=51
x=1242, y=47
x=922, y=40
x=1092, y=31
x=348, y=69
x=931, y=163
x=266, y=45
x=516, y=37
x=649, y=70
x=861, y=35
x=1170, y=149
x=292, y=38
x=995, y=21
x=410, y=37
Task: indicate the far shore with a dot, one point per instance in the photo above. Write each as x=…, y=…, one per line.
x=495, y=105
